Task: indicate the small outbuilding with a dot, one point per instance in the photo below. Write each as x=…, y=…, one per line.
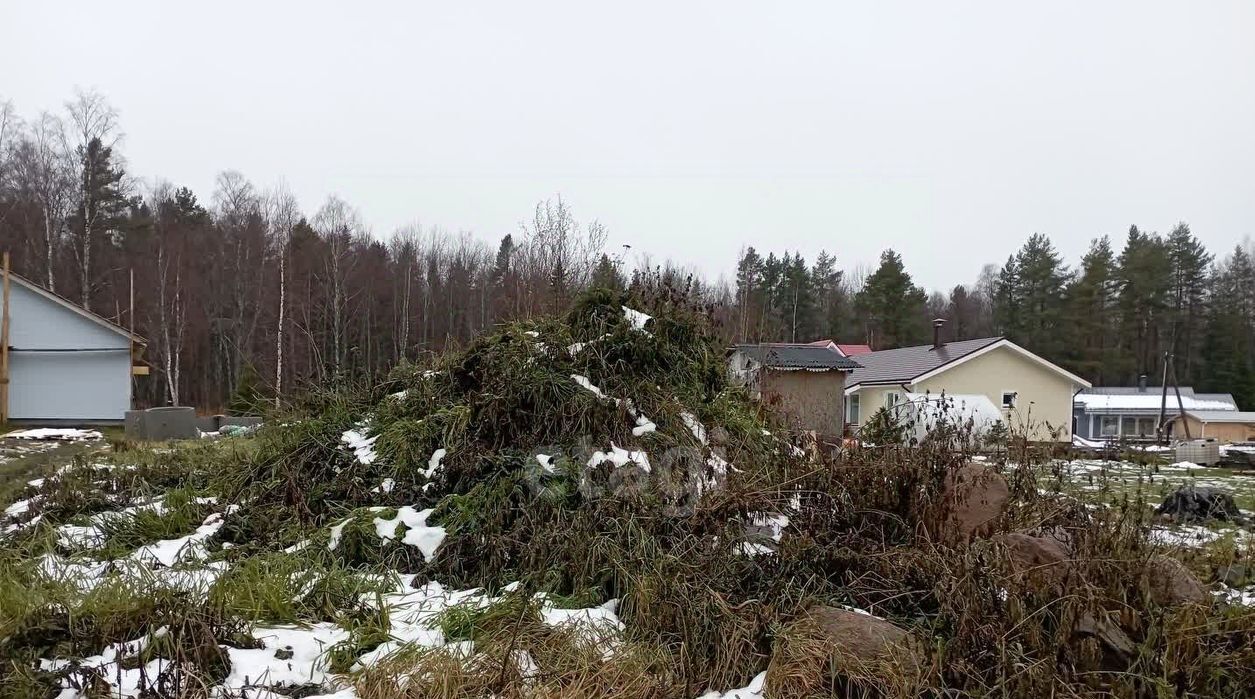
x=1226, y=426
x=806, y=382
x=61, y=363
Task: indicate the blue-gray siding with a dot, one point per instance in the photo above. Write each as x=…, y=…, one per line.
x=92, y=382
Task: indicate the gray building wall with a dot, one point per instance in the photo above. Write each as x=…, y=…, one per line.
x=47, y=384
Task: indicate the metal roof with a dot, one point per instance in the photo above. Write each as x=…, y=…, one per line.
x=1221, y=416
x=904, y=364
x=797, y=356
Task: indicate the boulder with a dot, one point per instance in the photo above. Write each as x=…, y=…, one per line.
x=1038, y=562
x=1200, y=504
x=1118, y=649
x=828, y=647
x=1171, y=584
x=973, y=498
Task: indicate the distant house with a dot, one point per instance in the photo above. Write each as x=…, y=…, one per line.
x=845, y=350
x=1132, y=412
x=805, y=381
x=66, y=364
x=1033, y=395
x=1221, y=425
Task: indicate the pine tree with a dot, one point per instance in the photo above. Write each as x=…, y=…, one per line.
x=1144, y=276
x=1091, y=304
x=829, y=296
x=1190, y=262
x=892, y=307
x=1229, y=347
x=1040, y=279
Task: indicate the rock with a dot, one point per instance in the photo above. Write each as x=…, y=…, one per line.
x=1171, y=584
x=974, y=496
x=829, y=644
x=1200, y=504
x=1118, y=648
x=1235, y=574
x=1038, y=562
x=284, y=653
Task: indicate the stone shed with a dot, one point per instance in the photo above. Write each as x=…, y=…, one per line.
x=804, y=381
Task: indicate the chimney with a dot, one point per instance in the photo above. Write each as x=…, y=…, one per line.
x=1141, y=383
x=937, y=323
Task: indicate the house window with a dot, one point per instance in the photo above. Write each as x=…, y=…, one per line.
x=1008, y=399
x=1146, y=426
x=1130, y=427
x=892, y=398
x=1110, y=426
x=852, y=409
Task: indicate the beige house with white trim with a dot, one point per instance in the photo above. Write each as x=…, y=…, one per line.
x=1035, y=396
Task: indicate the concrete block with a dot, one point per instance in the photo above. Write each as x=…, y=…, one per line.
x=161, y=424
x=134, y=424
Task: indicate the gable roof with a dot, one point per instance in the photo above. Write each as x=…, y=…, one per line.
x=797, y=356
x=1231, y=416
x=907, y=365
x=902, y=365
x=854, y=350
x=1118, y=399
x=66, y=303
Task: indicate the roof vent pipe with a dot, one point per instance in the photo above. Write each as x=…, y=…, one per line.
x=937, y=323
x=1141, y=383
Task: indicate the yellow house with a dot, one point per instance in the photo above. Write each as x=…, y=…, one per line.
x=1035, y=396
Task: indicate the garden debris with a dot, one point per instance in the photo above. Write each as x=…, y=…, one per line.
x=1192, y=503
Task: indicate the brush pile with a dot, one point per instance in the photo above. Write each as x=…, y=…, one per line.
x=581, y=507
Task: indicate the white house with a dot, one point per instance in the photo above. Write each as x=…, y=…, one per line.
x=66, y=364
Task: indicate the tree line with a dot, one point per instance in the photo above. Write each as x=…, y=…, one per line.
x=242, y=295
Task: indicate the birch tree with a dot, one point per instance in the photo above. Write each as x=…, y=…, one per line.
x=282, y=215
x=95, y=124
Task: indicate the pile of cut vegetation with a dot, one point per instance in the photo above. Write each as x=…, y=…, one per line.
x=582, y=506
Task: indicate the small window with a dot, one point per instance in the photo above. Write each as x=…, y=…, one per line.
x=1146, y=427
x=892, y=398
x=1130, y=427
x=1008, y=399
x=852, y=409
x=1110, y=426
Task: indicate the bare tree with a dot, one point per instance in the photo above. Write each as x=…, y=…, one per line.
x=43, y=167
x=338, y=224
x=282, y=214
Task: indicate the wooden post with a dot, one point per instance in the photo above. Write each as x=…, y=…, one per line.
x=4, y=347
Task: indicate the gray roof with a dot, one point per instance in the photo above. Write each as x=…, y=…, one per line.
x=791, y=356
x=902, y=365
x=1186, y=391
x=1221, y=416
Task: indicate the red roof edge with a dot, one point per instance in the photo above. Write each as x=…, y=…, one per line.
x=854, y=350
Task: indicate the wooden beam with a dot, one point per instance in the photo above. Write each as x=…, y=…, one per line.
x=139, y=370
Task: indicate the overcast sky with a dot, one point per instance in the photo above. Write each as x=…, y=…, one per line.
x=948, y=131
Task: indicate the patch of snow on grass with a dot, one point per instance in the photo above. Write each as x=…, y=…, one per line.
x=363, y=447
x=584, y=382
x=426, y=539
x=753, y=690
x=620, y=457
x=546, y=463
x=434, y=462
x=190, y=547
x=695, y=426
x=636, y=318
x=308, y=664
x=53, y=433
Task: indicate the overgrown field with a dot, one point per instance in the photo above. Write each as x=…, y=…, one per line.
x=582, y=507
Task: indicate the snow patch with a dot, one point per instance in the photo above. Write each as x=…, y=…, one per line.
x=362, y=446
